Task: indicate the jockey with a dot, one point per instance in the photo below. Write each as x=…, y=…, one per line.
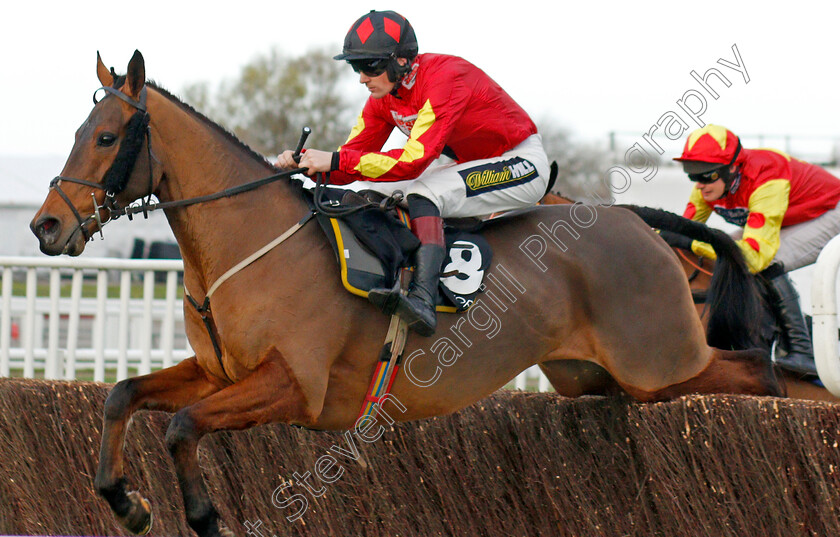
x=788, y=210
x=445, y=106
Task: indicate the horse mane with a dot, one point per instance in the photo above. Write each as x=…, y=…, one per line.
x=229, y=136
x=226, y=134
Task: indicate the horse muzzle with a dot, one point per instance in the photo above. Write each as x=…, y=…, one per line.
x=55, y=238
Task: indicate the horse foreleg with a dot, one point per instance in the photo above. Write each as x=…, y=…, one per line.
x=268, y=394
x=169, y=389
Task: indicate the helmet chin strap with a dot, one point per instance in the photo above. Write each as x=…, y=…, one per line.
x=397, y=72
x=734, y=177
x=733, y=182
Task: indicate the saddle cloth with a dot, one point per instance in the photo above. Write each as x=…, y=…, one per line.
x=372, y=246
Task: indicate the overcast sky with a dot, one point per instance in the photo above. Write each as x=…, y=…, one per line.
x=591, y=66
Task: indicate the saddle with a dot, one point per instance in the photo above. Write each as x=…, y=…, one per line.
x=374, y=243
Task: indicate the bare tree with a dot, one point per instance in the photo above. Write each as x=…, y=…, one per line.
x=275, y=96
x=582, y=165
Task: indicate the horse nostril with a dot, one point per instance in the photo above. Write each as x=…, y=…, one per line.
x=47, y=227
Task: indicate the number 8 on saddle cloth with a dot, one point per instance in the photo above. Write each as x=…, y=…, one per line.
x=372, y=245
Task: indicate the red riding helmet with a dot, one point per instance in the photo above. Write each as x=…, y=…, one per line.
x=709, y=148
x=380, y=35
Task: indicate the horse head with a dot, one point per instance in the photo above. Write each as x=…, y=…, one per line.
x=110, y=165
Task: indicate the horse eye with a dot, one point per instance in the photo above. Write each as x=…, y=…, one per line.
x=106, y=139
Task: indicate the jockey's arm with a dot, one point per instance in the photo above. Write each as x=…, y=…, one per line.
x=443, y=105
x=370, y=133
x=697, y=209
x=761, y=239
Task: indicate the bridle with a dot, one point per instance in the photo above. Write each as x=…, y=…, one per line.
x=110, y=203
x=114, y=211
x=145, y=206
x=320, y=205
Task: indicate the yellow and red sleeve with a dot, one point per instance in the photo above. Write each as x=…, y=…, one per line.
x=697, y=208
x=761, y=238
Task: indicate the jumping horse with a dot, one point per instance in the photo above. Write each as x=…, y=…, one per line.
x=591, y=294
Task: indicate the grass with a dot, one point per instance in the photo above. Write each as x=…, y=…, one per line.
x=89, y=290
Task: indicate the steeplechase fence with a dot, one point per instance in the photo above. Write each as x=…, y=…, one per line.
x=515, y=463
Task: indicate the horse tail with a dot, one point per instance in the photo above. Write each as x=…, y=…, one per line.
x=734, y=298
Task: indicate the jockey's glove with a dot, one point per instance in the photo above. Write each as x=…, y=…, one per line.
x=676, y=240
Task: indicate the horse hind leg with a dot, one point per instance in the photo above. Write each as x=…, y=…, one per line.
x=748, y=372
x=168, y=389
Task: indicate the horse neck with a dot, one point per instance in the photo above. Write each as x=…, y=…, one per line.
x=198, y=160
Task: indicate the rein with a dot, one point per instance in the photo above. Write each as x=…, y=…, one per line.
x=145, y=206
x=697, y=267
x=115, y=182
x=335, y=210
x=226, y=193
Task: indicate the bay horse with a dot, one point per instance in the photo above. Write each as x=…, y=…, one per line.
x=701, y=272
x=731, y=297
x=591, y=294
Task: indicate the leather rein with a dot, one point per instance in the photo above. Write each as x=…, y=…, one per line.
x=114, y=211
x=146, y=205
x=698, y=268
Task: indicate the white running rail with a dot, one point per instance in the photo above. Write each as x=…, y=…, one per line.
x=824, y=315
x=52, y=329
x=58, y=322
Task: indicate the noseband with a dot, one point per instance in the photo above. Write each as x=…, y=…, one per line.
x=116, y=178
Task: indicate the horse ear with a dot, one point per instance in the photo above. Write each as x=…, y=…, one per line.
x=136, y=76
x=102, y=72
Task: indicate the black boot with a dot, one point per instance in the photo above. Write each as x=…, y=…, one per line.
x=800, y=354
x=417, y=308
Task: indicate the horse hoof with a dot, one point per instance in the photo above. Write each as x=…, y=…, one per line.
x=139, y=517
x=225, y=532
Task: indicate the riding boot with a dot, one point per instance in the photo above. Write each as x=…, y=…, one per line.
x=417, y=308
x=800, y=353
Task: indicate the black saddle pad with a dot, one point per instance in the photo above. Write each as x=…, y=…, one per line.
x=372, y=246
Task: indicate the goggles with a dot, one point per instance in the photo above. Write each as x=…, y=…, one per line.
x=717, y=173
x=710, y=177
x=371, y=68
